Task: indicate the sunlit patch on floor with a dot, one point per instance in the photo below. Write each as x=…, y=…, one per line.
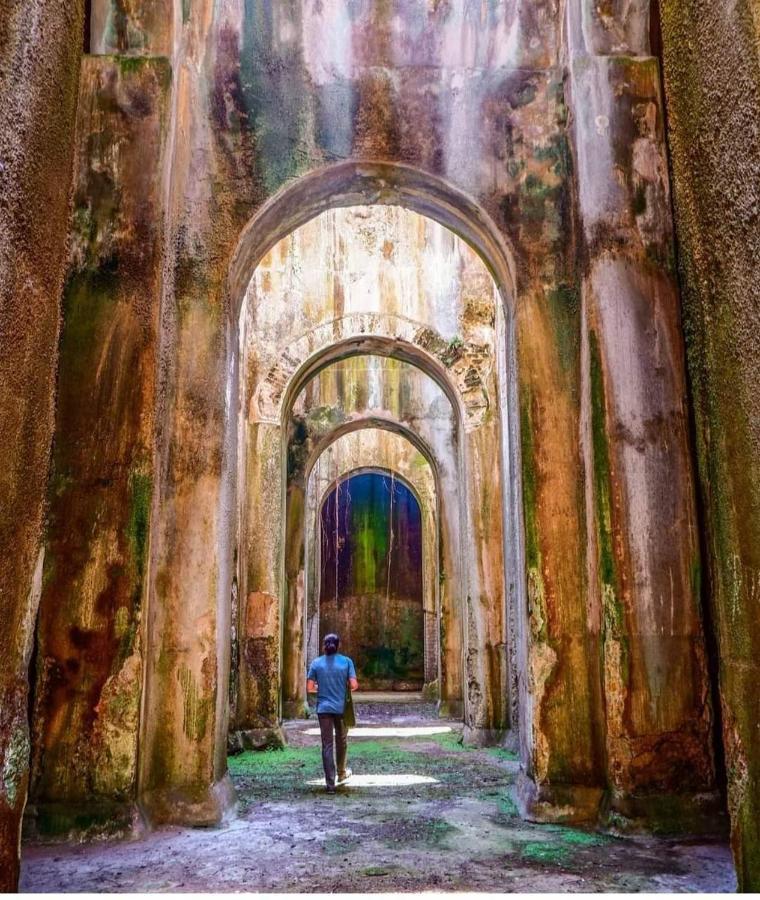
x=400, y=780
x=398, y=731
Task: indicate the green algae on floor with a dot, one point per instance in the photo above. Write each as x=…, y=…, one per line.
x=277, y=773
x=577, y=836
x=506, y=809
x=273, y=774
x=450, y=741
x=544, y=852
x=502, y=753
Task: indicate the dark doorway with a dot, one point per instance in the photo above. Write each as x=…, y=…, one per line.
x=371, y=579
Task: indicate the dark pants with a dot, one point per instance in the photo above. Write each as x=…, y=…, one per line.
x=328, y=724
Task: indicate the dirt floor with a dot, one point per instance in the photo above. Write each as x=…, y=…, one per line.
x=422, y=812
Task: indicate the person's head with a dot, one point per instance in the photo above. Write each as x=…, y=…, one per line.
x=331, y=643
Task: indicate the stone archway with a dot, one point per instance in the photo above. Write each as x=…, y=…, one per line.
x=558, y=623
x=446, y=580
x=384, y=451
x=476, y=671
x=468, y=365
x=370, y=586
x=369, y=183
x=333, y=187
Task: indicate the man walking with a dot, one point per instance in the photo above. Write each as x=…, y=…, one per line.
x=329, y=676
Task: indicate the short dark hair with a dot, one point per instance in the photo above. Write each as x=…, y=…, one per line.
x=331, y=643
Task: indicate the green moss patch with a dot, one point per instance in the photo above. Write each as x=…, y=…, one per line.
x=450, y=741
x=564, y=308
x=279, y=774
x=374, y=871
x=141, y=489
x=560, y=845
x=502, y=753
x=577, y=837
x=544, y=852
x=507, y=808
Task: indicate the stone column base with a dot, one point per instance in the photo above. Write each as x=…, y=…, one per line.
x=567, y=804
x=269, y=738
x=451, y=709
x=202, y=806
x=573, y=804
x=86, y=820
x=665, y=813
x=295, y=709
x=482, y=737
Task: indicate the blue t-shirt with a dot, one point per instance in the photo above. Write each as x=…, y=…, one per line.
x=331, y=674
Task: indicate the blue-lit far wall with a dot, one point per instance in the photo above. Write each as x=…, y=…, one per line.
x=371, y=578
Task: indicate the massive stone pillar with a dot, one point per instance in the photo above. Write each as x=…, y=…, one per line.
x=486, y=660
x=257, y=658
x=711, y=55
x=560, y=716
x=183, y=767
x=40, y=48
x=644, y=560
x=89, y=661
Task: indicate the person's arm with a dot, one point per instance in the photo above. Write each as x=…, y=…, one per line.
x=352, y=676
x=311, y=681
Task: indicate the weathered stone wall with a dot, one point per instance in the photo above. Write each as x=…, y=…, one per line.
x=712, y=78
x=40, y=48
x=89, y=661
x=459, y=111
